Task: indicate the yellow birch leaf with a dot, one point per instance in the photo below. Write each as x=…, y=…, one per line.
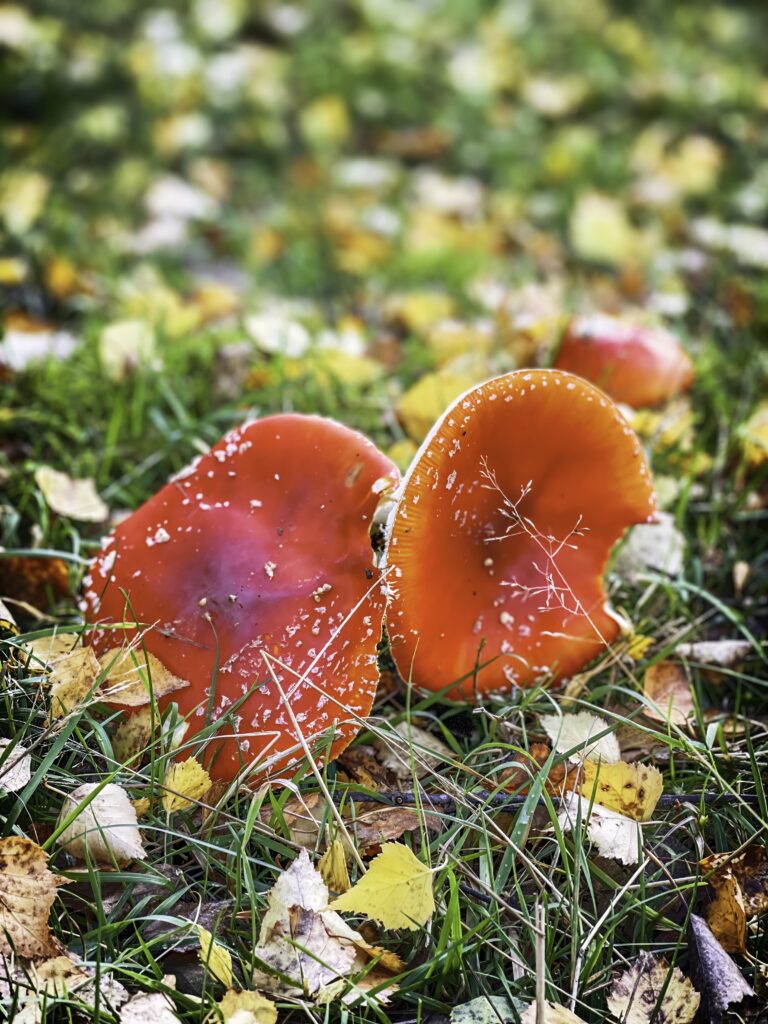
x=726, y=914
x=215, y=957
x=129, y=673
x=423, y=403
x=630, y=789
x=133, y=735
x=333, y=868
x=247, y=1008
x=72, y=669
x=27, y=892
x=141, y=806
x=554, y=1013
x=184, y=783
x=635, y=995
x=396, y=890
x=754, y=436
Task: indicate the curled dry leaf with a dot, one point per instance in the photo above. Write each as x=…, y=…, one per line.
x=215, y=958
x=519, y=774
x=715, y=975
x=27, y=892
x=614, y=835
x=127, y=677
x=666, y=685
x=247, y=1008
x=396, y=890
x=185, y=783
x=133, y=677
x=369, y=824
x=76, y=499
x=15, y=766
x=105, y=829
x=635, y=995
x=412, y=752
x=630, y=789
x=333, y=868
x=741, y=892
x=577, y=733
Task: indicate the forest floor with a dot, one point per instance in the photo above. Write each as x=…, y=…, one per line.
x=209, y=213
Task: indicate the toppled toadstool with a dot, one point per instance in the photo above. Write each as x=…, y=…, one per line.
x=633, y=363
x=260, y=547
x=499, y=542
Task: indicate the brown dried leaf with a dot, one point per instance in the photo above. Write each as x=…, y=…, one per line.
x=741, y=892
x=408, y=743
x=33, y=579
x=133, y=735
x=666, y=685
x=519, y=775
x=361, y=764
x=27, y=892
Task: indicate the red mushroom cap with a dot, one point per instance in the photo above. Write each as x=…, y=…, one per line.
x=261, y=545
x=632, y=363
x=499, y=541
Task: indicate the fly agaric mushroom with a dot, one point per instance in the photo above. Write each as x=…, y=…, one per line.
x=633, y=363
x=260, y=547
x=506, y=519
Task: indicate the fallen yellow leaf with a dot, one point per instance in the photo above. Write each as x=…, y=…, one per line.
x=27, y=892
x=396, y=890
x=630, y=789
x=333, y=868
x=73, y=670
x=634, y=998
x=754, y=436
x=422, y=404
x=133, y=735
x=129, y=673
x=185, y=782
x=554, y=1013
x=247, y=1008
x=215, y=957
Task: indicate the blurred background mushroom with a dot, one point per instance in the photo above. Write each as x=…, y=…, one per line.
x=500, y=539
x=632, y=362
x=259, y=551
